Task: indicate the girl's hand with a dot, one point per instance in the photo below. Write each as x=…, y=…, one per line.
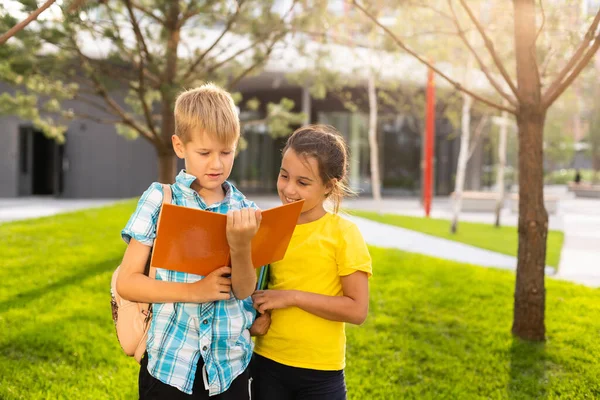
x=273, y=299
x=261, y=325
x=242, y=225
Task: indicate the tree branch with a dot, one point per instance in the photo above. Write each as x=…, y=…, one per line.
x=230, y=23
x=143, y=49
x=32, y=17
x=477, y=136
x=403, y=46
x=112, y=105
x=482, y=66
x=579, y=53
x=258, y=62
x=97, y=119
x=490, y=46
x=148, y=13
x=550, y=97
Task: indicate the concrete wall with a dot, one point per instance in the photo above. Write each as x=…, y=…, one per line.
x=9, y=156
x=101, y=164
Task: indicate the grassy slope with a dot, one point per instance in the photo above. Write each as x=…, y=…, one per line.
x=502, y=240
x=436, y=329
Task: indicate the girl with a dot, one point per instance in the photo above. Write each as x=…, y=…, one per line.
x=320, y=284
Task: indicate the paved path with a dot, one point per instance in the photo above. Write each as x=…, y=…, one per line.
x=578, y=218
x=580, y=257
x=35, y=207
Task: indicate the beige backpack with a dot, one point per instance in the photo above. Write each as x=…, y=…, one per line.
x=132, y=319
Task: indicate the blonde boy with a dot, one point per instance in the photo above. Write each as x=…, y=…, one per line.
x=199, y=342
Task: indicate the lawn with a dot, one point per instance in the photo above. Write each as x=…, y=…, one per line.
x=502, y=240
x=436, y=329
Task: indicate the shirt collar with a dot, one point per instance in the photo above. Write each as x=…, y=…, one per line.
x=185, y=180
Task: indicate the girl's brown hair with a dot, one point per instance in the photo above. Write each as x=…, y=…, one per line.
x=327, y=146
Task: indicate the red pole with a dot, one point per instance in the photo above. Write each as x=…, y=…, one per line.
x=429, y=143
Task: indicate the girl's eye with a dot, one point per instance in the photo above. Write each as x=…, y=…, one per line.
x=203, y=154
x=302, y=183
x=226, y=153
x=283, y=176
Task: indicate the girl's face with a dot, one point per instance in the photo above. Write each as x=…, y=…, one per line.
x=299, y=179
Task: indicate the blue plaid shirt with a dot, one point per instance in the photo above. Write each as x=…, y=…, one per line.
x=180, y=333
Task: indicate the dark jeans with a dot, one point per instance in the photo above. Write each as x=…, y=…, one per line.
x=274, y=381
x=152, y=388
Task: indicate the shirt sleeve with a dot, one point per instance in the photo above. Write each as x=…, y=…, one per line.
x=352, y=253
x=142, y=223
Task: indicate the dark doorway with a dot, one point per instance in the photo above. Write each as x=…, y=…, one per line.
x=41, y=164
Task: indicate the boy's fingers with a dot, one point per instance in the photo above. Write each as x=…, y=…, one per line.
x=258, y=216
x=222, y=271
x=237, y=220
x=229, y=219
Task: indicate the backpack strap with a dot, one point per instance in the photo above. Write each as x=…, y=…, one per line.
x=167, y=197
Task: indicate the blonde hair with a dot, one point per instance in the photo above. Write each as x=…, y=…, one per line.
x=208, y=109
x=328, y=147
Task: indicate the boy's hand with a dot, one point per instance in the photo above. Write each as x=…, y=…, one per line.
x=242, y=225
x=214, y=286
x=265, y=300
x=261, y=325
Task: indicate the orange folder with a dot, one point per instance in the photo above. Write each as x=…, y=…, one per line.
x=194, y=241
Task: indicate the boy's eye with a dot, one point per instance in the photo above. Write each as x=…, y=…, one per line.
x=283, y=176
x=203, y=153
x=226, y=153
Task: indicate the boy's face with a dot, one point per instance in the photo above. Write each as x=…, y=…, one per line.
x=209, y=160
x=299, y=179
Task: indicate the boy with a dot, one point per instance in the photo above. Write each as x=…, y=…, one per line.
x=199, y=342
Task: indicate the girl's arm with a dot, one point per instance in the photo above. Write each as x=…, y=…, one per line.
x=133, y=285
x=351, y=307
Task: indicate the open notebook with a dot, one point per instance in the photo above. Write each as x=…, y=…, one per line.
x=194, y=241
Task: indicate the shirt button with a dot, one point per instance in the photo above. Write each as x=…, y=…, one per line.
x=204, y=348
x=205, y=322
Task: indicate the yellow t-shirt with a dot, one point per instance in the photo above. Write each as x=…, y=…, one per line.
x=319, y=253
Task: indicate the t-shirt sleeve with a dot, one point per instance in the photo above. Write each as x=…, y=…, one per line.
x=353, y=254
x=142, y=223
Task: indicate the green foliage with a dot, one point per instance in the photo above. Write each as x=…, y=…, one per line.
x=503, y=240
x=564, y=176
x=98, y=46
x=441, y=330
x=436, y=329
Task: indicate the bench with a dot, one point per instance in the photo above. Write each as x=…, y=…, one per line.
x=550, y=203
x=586, y=190
x=478, y=201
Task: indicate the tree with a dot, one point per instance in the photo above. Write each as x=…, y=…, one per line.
x=130, y=59
x=34, y=14
x=528, y=99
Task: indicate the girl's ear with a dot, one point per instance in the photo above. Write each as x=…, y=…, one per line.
x=330, y=186
x=178, y=146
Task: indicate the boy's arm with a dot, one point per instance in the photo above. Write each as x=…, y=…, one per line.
x=242, y=225
x=133, y=285
x=351, y=307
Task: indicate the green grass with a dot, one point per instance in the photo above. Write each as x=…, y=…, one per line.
x=502, y=240
x=436, y=329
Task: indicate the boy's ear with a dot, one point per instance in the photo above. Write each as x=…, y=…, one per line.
x=178, y=146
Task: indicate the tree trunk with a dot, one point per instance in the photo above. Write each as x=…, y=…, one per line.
x=167, y=165
x=373, y=145
x=463, y=158
x=530, y=294
x=167, y=162
x=501, y=166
